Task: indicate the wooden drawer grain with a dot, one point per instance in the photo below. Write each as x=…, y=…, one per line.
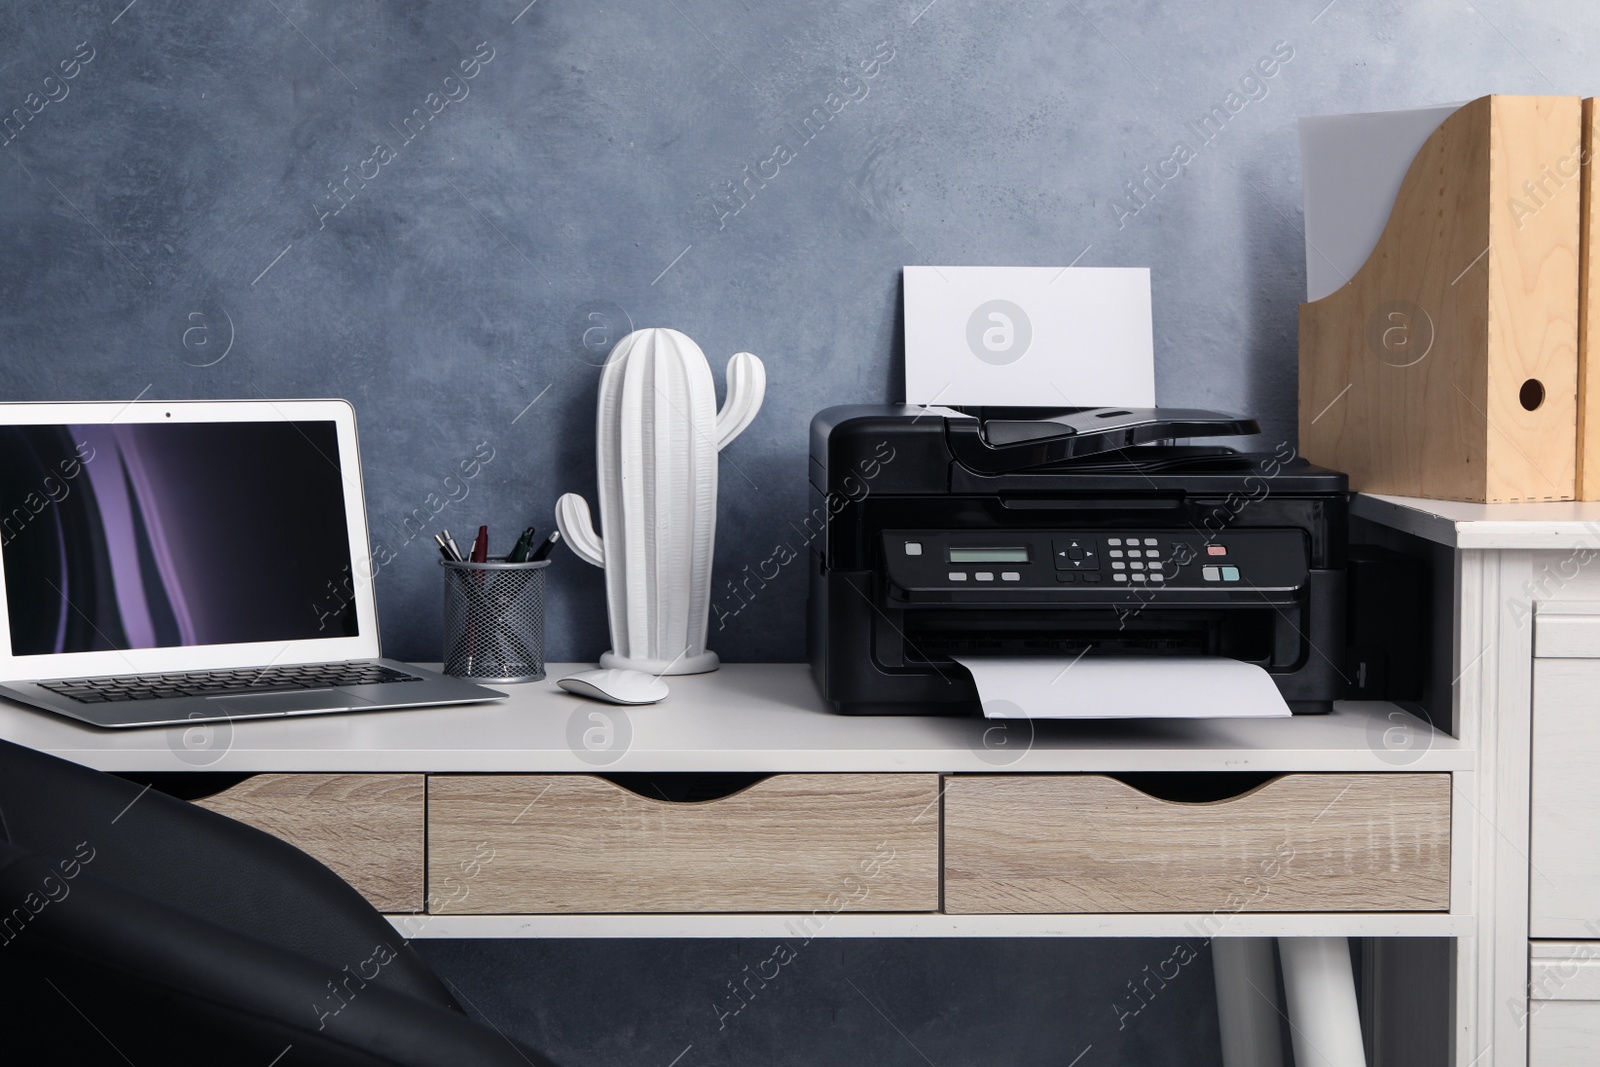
x=1301, y=842
x=572, y=843
x=367, y=827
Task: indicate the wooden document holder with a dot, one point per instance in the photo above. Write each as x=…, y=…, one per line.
x=1448, y=366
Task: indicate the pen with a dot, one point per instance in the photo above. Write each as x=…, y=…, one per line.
x=543, y=551
x=444, y=549
x=455, y=551
x=524, y=546
x=480, y=546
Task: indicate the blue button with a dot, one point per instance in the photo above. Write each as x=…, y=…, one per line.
x=1230, y=574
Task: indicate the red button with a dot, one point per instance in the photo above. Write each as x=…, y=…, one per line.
x=1216, y=550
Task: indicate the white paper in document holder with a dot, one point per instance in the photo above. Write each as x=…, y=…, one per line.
x=1351, y=167
x=1124, y=687
x=1029, y=336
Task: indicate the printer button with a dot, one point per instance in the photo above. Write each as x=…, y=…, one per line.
x=1119, y=566
x=961, y=576
x=913, y=548
x=1211, y=574
x=1150, y=542
x=1138, y=577
x=1230, y=574
x=1092, y=576
x=1010, y=576
x=1115, y=553
x=1119, y=577
x=1114, y=541
x=1137, y=565
x=1158, y=577
x=1068, y=576
x=984, y=576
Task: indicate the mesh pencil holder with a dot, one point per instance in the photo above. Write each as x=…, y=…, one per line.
x=494, y=620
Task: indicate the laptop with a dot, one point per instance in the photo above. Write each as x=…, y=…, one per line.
x=193, y=562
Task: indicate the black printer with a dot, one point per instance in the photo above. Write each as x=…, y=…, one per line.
x=940, y=532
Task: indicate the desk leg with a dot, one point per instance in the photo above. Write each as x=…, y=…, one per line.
x=1324, y=1024
x=1248, y=1013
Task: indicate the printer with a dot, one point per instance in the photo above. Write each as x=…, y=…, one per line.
x=1019, y=532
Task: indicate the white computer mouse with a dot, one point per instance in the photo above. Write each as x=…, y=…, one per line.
x=615, y=685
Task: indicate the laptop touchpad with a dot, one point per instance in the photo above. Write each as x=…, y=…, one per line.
x=289, y=703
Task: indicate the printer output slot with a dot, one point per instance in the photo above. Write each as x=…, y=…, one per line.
x=932, y=638
x=1118, y=505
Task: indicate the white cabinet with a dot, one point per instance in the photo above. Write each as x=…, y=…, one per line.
x=1564, y=847
x=1564, y=842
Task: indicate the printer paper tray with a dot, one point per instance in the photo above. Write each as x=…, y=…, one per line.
x=1126, y=687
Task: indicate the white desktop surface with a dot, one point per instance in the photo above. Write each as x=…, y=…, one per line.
x=745, y=717
x=1558, y=524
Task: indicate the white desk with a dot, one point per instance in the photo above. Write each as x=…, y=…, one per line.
x=764, y=718
x=768, y=718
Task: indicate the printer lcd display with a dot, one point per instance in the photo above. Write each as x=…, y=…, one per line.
x=1003, y=554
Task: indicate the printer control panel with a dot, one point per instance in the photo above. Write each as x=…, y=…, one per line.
x=945, y=566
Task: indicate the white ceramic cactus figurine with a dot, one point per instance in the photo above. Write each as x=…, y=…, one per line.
x=657, y=436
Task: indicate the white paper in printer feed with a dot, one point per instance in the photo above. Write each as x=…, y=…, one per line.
x=1122, y=687
x=1029, y=336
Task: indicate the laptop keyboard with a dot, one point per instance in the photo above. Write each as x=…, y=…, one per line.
x=223, y=683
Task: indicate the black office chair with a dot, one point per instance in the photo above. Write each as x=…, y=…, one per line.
x=137, y=928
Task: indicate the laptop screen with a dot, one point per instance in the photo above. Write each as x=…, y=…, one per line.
x=155, y=535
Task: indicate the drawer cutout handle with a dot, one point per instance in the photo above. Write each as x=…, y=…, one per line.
x=189, y=785
x=688, y=787
x=1195, y=787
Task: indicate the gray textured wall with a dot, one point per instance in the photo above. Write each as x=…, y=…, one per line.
x=580, y=186
x=594, y=149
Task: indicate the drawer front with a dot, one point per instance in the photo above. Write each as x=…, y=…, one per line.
x=367, y=827
x=565, y=843
x=1301, y=842
x=1564, y=970
x=1564, y=1033
x=1567, y=630
x=1564, y=1005
x=1564, y=884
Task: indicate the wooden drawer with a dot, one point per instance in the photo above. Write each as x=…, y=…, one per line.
x=367, y=827
x=509, y=844
x=1564, y=883
x=1564, y=1009
x=1301, y=842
